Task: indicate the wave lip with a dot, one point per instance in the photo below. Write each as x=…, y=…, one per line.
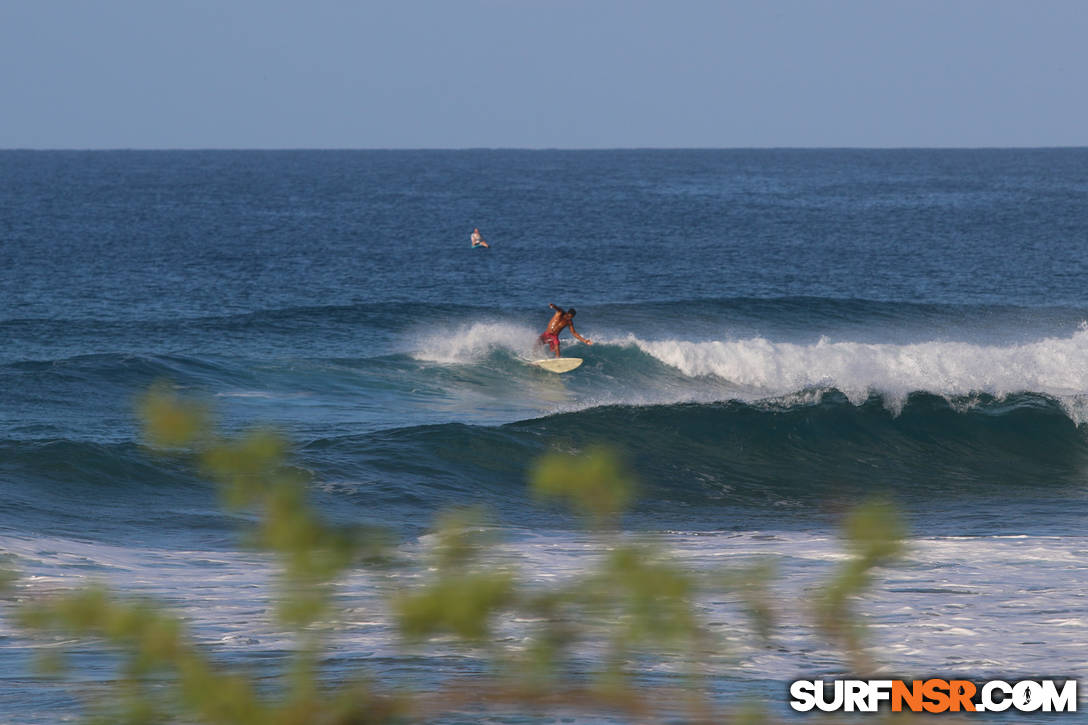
x=1056, y=367
x=470, y=343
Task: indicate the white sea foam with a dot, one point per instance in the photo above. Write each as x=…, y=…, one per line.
x=761, y=367
x=948, y=605
x=473, y=342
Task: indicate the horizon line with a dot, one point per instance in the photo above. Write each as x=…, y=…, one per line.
x=46, y=149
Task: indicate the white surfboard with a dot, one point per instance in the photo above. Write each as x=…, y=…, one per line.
x=558, y=364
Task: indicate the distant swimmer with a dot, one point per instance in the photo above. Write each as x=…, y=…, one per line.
x=560, y=320
x=477, y=240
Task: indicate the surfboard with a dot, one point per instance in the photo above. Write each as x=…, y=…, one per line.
x=558, y=364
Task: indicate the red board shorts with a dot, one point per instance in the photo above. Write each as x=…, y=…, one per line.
x=551, y=340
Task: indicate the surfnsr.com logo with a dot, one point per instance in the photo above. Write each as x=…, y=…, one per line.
x=934, y=695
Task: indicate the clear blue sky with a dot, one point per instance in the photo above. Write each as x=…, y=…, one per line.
x=542, y=74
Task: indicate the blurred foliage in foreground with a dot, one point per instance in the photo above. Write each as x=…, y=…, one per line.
x=582, y=642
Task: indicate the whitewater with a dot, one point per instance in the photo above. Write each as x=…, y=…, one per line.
x=759, y=369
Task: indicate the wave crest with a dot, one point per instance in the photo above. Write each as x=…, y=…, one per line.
x=470, y=343
x=1057, y=367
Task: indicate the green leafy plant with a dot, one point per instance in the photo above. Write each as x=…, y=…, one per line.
x=636, y=604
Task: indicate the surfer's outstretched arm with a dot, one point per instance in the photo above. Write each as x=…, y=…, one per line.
x=586, y=341
x=555, y=307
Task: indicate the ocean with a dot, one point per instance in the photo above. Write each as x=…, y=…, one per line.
x=778, y=334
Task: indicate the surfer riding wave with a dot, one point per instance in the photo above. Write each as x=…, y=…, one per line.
x=560, y=320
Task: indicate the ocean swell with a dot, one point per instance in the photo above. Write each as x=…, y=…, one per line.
x=823, y=449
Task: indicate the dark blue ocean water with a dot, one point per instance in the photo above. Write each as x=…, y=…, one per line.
x=778, y=333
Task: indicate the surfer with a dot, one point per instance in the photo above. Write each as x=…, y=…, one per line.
x=560, y=320
x=477, y=240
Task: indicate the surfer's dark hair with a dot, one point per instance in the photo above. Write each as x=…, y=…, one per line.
x=571, y=311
